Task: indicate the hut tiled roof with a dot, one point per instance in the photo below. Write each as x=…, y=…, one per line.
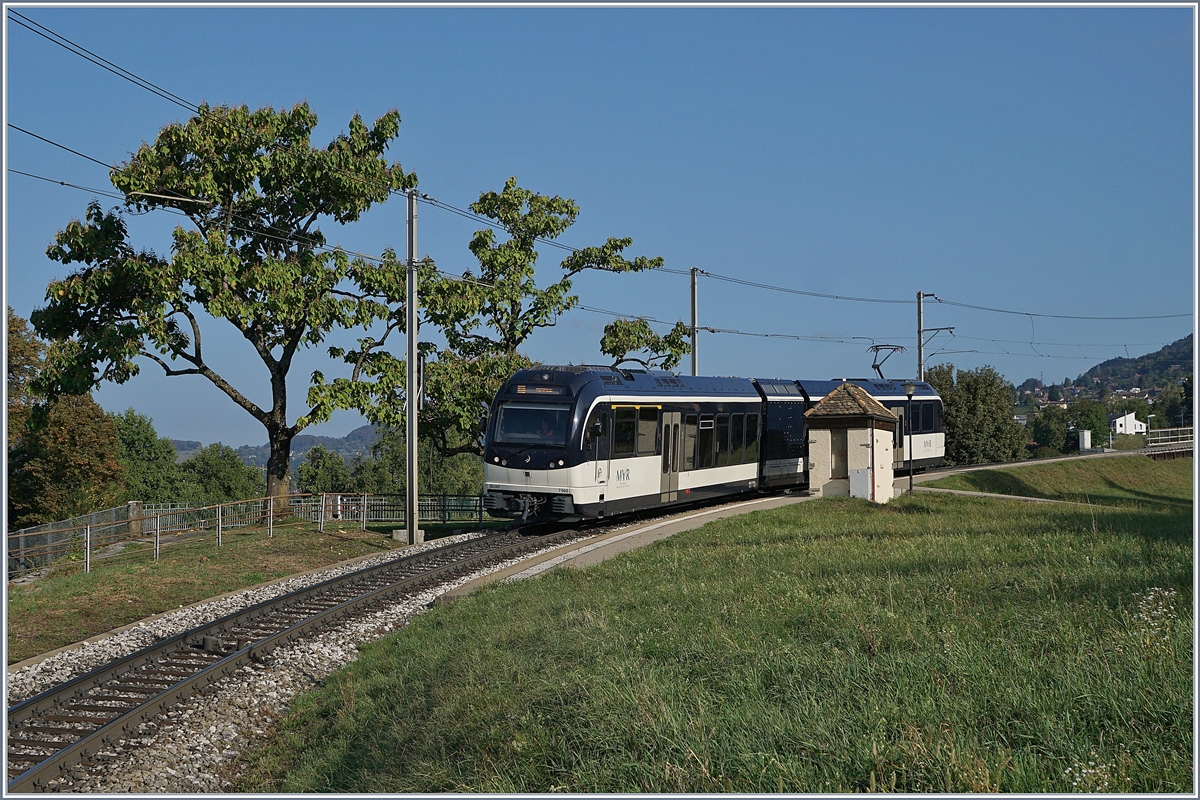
x=849, y=400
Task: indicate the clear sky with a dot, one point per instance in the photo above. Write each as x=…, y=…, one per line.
x=1029, y=159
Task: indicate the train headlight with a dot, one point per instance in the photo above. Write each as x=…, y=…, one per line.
x=560, y=463
x=504, y=463
x=496, y=459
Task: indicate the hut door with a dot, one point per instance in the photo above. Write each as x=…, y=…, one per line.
x=670, y=456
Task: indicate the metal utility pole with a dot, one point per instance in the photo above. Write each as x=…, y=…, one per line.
x=922, y=330
x=695, y=363
x=412, y=507
x=920, y=336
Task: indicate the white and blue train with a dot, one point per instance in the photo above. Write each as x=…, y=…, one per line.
x=585, y=441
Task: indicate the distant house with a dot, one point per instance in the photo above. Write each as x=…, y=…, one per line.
x=1022, y=418
x=1125, y=423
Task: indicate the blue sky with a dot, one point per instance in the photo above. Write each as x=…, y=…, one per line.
x=1029, y=159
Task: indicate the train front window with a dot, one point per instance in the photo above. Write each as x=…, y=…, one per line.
x=533, y=424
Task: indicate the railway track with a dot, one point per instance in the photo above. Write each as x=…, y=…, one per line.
x=69, y=724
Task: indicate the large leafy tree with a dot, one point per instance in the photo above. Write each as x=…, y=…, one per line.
x=1051, y=428
x=623, y=337
x=148, y=461
x=65, y=463
x=255, y=191
x=485, y=317
x=24, y=361
x=215, y=474
x=978, y=415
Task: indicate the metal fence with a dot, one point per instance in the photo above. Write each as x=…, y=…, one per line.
x=1169, y=437
x=79, y=538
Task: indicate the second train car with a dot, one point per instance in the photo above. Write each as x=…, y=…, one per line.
x=585, y=441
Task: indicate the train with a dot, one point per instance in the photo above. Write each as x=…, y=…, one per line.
x=586, y=442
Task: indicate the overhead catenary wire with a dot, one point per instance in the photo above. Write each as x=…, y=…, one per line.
x=608, y=312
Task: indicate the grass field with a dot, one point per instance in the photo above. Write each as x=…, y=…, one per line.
x=69, y=605
x=1121, y=481
x=939, y=643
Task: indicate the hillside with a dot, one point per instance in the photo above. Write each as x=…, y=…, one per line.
x=1151, y=371
x=356, y=443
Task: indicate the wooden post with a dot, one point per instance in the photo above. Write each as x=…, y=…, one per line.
x=270, y=515
x=321, y=515
x=87, y=548
x=218, y=524
x=157, y=534
x=364, y=512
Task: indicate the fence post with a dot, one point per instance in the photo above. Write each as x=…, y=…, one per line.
x=157, y=534
x=270, y=514
x=218, y=524
x=479, y=503
x=87, y=548
x=364, y=516
x=321, y=515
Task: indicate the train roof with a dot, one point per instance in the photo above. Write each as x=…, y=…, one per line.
x=644, y=381
x=818, y=389
x=634, y=381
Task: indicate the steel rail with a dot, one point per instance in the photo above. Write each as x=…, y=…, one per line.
x=125, y=721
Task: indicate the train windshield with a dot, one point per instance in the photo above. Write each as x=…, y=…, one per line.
x=533, y=424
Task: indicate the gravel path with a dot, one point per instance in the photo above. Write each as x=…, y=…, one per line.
x=193, y=747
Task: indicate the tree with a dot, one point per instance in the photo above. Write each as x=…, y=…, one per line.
x=485, y=318
x=625, y=336
x=1090, y=415
x=147, y=461
x=24, y=361
x=978, y=415
x=65, y=463
x=1051, y=428
x=324, y=471
x=217, y=475
x=254, y=189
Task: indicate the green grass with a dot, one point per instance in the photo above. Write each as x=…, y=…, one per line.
x=69, y=605
x=1114, y=481
x=939, y=643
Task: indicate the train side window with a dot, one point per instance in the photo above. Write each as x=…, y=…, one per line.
x=737, y=440
x=647, y=439
x=752, y=438
x=939, y=422
x=625, y=430
x=689, y=442
x=722, y=440
x=927, y=418
x=704, y=442
x=666, y=455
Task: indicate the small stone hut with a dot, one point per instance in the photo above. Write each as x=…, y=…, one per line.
x=850, y=437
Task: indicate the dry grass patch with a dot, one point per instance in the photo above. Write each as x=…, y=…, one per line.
x=68, y=605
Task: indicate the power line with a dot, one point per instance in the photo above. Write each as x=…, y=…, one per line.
x=60, y=146
x=103, y=63
x=1056, y=316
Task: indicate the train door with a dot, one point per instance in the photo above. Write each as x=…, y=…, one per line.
x=597, y=444
x=671, y=435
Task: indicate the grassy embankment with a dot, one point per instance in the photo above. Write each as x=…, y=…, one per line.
x=939, y=643
x=1119, y=481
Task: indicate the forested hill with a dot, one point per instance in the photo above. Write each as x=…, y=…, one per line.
x=1151, y=371
x=356, y=443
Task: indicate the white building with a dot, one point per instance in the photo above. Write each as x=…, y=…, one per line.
x=1125, y=423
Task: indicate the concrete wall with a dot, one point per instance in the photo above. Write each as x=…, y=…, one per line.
x=858, y=457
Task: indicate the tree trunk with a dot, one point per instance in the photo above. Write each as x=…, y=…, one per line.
x=280, y=438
